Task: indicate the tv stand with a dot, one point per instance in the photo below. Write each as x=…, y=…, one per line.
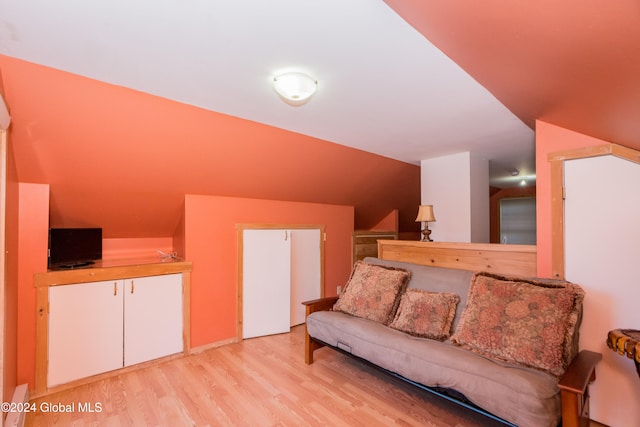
x=73, y=266
x=155, y=327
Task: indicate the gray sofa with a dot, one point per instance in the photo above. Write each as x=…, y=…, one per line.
x=519, y=395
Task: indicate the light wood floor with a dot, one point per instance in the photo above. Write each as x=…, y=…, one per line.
x=259, y=382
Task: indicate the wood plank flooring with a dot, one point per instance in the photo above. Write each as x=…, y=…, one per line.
x=259, y=382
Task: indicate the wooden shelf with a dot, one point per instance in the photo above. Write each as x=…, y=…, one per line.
x=365, y=243
x=112, y=269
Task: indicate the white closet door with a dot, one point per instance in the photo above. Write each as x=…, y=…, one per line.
x=305, y=271
x=152, y=317
x=85, y=330
x=602, y=233
x=266, y=278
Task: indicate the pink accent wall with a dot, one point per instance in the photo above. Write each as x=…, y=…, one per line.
x=388, y=223
x=123, y=160
x=102, y=151
x=210, y=237
x=551, y=138
x=113, y=249
x=32, y=253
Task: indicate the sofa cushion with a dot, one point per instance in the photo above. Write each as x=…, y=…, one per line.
x=373, y=292
x=434, y=279
x=521, y=321
x=523, y=396
x=426, y=314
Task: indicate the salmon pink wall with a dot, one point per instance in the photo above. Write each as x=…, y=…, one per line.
x=551, y=138
x=211, y=244
x=388, y=223
x=32, y=252
x=123, y=160
x=113, y=249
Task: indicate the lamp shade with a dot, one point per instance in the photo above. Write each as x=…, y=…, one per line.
x=295, y=88
x=425, y=214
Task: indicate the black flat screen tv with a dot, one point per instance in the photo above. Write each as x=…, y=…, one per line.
x=74, y=247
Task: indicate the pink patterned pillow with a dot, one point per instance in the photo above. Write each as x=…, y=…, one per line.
x=372, y=292
x=521, y=321
x=426, y=314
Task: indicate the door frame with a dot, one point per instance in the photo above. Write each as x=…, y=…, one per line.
x=3, y=257
x=240, y=245
x=557, y=160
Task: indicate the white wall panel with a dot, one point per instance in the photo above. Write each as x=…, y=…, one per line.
x=602, y=253
x=458, y=188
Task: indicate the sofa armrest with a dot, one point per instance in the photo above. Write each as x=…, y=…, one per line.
x=574, y=388
x=322, y=304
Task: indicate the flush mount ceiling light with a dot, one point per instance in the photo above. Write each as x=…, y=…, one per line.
x=295, y=88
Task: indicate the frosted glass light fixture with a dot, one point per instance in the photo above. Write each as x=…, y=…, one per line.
x=295, y=88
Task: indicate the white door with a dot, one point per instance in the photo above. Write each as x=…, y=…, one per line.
x=305, y=270
x=152, y=318
x=85, y=330
x=266, y=278
x=602, y=232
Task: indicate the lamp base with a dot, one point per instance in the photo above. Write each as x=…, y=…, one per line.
x=426, y=235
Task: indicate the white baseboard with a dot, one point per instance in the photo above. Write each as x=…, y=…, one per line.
x=20, y=398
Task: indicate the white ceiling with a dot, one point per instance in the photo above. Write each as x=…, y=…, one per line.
x=382, y=87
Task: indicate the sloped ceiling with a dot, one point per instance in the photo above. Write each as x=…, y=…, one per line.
x=123, y=160
x=404, y=79
x=383, y=87
x=573, y=64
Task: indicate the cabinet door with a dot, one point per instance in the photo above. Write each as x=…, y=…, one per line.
x=152, y=318
x=305, y=271
x=85, y=330
x=266, y=278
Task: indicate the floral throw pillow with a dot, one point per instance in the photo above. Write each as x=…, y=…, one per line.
x=426, y=314
x=526, y=322
x=372, y=292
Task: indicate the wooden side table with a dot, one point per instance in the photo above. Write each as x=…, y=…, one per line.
x=626, y=342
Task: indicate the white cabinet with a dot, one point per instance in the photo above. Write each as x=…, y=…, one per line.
x=152, y=318
x=101, y=326
x=85, y=330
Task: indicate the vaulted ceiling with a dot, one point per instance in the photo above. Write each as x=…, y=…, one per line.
x=573, y=64
x=383, y=87
x=404, y=79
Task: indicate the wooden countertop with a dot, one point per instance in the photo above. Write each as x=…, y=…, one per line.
x=113, y=270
